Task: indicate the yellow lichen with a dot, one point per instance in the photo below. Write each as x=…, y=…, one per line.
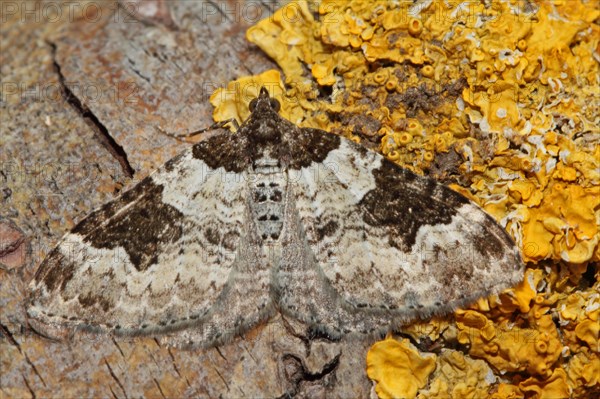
x=521, y=296
x=398, y=369
x=458, y=376
x=431, y=329
x=507, y=391
x=504, y=95
x=579, y=313
x=510, y=348
x=552, y=387
x=427, y=71
x=393, y=155
x=584, y=372
x=232, y=101
x=405, y=138
x=587, y=331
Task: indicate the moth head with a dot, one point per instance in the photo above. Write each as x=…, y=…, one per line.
x=264, y=101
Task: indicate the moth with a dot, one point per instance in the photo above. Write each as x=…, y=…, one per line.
x=273, y=218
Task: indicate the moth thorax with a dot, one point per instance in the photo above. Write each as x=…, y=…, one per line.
x=266, y=131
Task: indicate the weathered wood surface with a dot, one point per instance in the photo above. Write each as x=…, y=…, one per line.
x=85, y=94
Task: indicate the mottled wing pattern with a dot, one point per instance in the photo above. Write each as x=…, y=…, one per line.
x=333, y=234
x=159, y=258
x=381, y=245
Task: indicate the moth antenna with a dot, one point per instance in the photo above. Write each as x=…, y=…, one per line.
x=217, y=125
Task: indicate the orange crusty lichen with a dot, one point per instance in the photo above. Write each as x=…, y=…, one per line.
x=458, y=376
x=533, y=349
x=398, y=369
x=578, y=313
x=552, y=387
x=501, y=99
x=507, y=391
x=583, y=372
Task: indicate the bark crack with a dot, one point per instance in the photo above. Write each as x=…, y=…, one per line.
x=327, y=369
x=220, y=353
x=300, y=378
x=159, y=388
x=114, y=377
x=221, y=377
x=91, y=119
x=9, y=336
x=35, y=370
x=31, y=391
x=173, y=362
x=137, y=71
x=118, y=347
